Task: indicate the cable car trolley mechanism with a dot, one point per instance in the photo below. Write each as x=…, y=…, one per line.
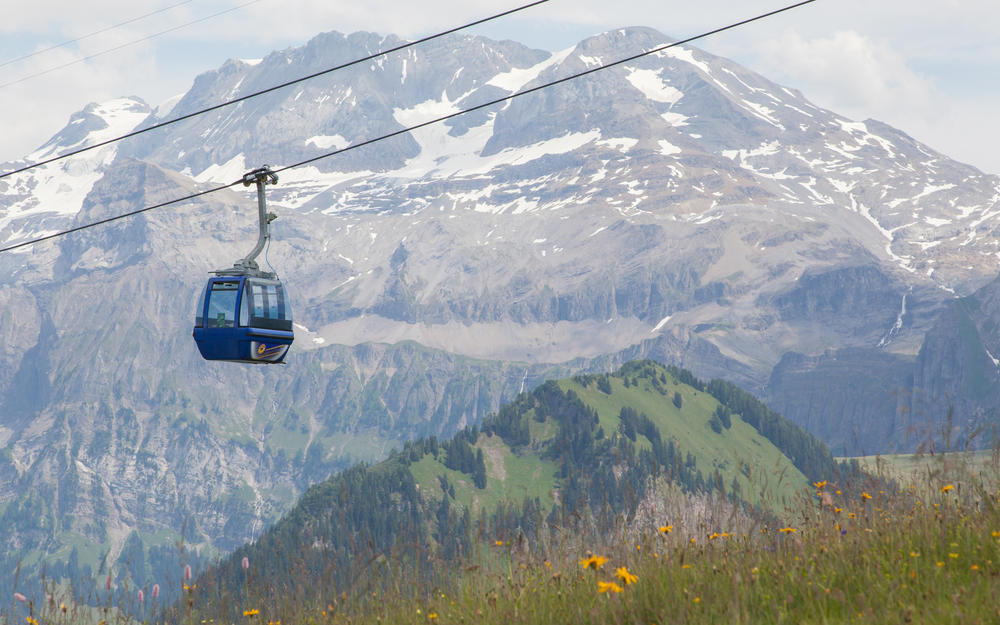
x=243, y=314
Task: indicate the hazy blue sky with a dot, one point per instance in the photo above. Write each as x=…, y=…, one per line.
x=931, y=69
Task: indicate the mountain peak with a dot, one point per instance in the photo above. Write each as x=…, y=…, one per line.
x=96, y=122
x=638, y=38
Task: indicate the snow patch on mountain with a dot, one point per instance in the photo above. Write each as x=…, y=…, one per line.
x=762, y=112
x=905, y=262
x=622, y=144
x=681, y=53
x=859, y=131
x=41, y=201
x=231, y=170
x=515, y=79
x=667, y=148
x=108, y=119
x=660, y=325
x=764, y=149
x=651, y=84
x=162, y=110
x=325, y=142
x=444, y=155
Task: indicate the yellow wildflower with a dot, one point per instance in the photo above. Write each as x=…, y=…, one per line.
x=251, y=613
x=498, y=543
x=432, y=615
x=666, y=529
x=608, y=587
x=819, y=485
x=697, y=599
x=626, y=577
x=593, y=562
x=787, y=530
x=947, y=487
x=865, y=496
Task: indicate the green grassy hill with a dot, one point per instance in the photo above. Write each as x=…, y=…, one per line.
x=765, y=475
x=588, y=448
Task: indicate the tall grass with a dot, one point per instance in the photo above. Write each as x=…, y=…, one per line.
x=924, y=552
x=928, y=554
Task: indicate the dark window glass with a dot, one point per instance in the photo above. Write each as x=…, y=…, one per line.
x=268, y=308
x=222, y=304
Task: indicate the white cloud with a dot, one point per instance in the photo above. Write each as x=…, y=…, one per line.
x=39, y=94
x=859, y=77
x=847, y=72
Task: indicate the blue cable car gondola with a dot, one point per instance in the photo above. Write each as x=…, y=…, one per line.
x=243, y=314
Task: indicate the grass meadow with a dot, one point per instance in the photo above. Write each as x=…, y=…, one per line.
x=926, y=551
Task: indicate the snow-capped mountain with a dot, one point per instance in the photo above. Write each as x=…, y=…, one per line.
x=45, y=199
x=679, y=207
x=669, y=144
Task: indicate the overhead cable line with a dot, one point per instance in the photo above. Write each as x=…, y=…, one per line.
x=274, y=88
x=96, y=32
x=125, y=45
x=426, y=123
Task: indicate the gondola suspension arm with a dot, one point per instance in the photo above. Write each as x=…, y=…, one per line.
x=247, y=265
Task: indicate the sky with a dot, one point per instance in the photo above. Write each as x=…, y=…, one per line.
x=931, y=69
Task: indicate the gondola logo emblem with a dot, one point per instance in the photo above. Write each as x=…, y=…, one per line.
x=265, y=351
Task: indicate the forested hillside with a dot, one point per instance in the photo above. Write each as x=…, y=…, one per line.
x=583, y=451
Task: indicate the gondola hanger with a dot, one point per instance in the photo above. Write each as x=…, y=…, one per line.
x=243, y=314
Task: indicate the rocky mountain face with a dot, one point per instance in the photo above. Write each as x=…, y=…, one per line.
x=957, y=374
x=855, y=398
x=679, y=207
x=864, y=400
